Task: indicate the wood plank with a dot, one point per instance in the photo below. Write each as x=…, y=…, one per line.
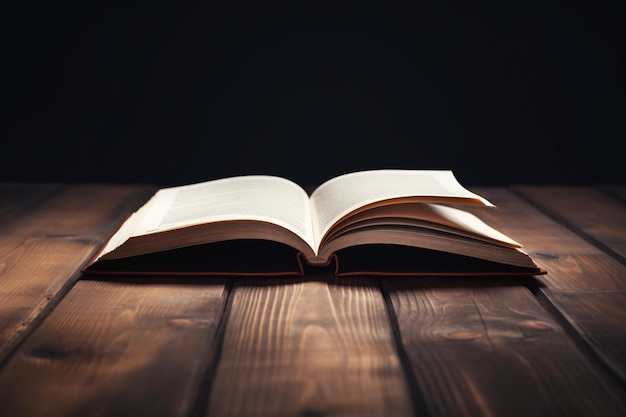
x=616, y=191
x=308, y=348
x=578, y=273
x=44, y=245
x=596, y=216
x=117, y=348
x=600, y=319
x=80, y=211
x=17, y=198
x=488, y=348
x=573, y=264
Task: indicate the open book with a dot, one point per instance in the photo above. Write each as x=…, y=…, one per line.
x=371, y=222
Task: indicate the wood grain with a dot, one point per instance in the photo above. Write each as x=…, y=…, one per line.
x=573, y=263
x=308, y=348
x=46, y=237
x=599, y=318
x=578, y=271
x=615, y=191
x=596, y=216
x=490, y=349
x=17, y=198
x=116, y=349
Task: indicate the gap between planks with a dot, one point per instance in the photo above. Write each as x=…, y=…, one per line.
x=604, y=364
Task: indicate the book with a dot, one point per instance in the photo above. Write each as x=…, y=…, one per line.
x=378, y=222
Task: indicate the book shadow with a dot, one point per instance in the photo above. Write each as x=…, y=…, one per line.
x=239, y=262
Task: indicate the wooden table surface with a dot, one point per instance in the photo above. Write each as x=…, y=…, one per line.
x=552, y=345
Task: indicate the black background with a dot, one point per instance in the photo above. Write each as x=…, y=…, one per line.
x=500, y=93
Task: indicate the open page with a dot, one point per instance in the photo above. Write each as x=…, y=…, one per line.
x=346, y=194
x=253, y=198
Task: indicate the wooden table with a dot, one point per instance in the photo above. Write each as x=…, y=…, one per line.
x=317, y=346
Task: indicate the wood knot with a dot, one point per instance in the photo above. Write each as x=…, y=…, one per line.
x=187, y=322
x=464, y=335
x=537, y=325
x=51, y=352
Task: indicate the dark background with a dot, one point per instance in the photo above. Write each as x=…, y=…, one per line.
x=500, y=93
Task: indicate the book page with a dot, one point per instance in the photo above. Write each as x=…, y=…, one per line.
x=425, y=215
x=343, y=195
x=256, y=197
